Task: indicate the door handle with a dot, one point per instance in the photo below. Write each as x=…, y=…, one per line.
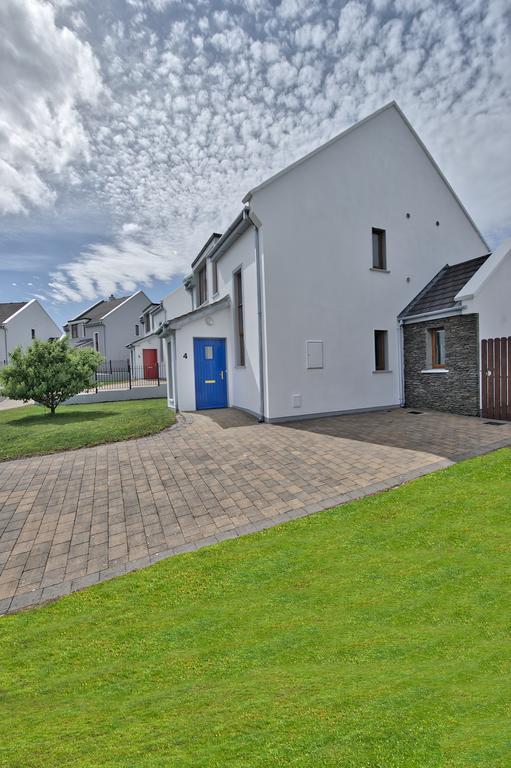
x=222, y=375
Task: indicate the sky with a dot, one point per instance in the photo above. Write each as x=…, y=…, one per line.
x=131, y=129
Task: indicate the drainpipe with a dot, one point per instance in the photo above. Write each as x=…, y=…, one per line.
x=401, y=364
x=255, y=221
x=4, y=329
x=174, y=369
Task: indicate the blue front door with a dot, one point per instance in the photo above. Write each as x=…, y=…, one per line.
x=210, y=373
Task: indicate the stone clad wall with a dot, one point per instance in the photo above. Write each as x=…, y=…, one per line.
x=456, y=391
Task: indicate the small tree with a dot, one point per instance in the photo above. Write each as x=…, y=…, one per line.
x=48, y=372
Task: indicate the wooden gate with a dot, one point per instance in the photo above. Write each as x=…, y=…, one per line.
x=496, y=378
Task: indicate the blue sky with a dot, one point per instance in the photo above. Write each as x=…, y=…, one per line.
x=129, y=131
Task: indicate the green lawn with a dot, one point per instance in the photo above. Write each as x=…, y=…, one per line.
x=31, y=430
x=374, y=635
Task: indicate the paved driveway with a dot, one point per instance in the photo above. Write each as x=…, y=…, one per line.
x=76, y=518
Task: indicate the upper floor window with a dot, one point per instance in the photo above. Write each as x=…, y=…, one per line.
x=240, y=330
x=214, y=271
x=437, y=347
x=137, y=330
x=380, y=351
x=74, y=331
x=379, y=249
x=203, y=285
x=32, y=332
x=147, y=323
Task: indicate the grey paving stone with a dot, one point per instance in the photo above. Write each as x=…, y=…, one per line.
x=216, y=476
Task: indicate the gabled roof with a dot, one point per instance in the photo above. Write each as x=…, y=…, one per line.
x=440, y=293
x=204, y=310
x=152, y=307
x=391, y=105
x=8, y=309
x=100, y=309
x=207, y=246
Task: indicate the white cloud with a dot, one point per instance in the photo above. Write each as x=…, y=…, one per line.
x=124, y=265
x=47, y=74
x=204, y=100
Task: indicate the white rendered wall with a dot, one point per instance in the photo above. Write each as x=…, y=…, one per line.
x=492, y=301
x=18, y=329
x=317, y=250
x=177, y=303
x=242, y=382
x=185, y=373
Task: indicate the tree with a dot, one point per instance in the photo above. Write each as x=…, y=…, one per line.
x=48, y=372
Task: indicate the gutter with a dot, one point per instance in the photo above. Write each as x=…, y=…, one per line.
x=255, y=221
x=447, y=312
x=236, y=228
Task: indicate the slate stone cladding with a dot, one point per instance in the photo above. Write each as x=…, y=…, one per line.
x=456, y=391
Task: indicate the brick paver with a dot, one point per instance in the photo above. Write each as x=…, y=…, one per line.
x=72, y=519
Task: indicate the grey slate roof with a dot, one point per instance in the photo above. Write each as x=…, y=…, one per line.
x=440, y=292
x=100, y=309
x=8, y=309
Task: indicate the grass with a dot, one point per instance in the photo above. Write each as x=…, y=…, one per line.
x=30, y=430
x=374, y=635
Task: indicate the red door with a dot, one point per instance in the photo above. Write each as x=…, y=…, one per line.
x=150, y=357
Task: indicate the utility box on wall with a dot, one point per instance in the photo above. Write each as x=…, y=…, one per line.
x=314, y=354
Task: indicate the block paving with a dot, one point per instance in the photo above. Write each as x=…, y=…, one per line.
x=72, y=519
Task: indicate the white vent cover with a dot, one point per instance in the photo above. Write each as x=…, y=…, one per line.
x=314, y=350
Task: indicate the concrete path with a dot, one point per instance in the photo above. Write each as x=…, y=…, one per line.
x=72, y=519
x=6, y=404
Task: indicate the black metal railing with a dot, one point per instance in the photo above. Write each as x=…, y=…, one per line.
x=112, y=375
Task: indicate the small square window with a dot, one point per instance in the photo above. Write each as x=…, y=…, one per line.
x=208, y=352
x=379, y=249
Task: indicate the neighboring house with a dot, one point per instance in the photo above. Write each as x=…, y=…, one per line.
x=295, y=307
x=145, y=349
x=21, y=323
x=109, y=325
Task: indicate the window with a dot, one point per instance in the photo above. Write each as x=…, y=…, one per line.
x=380, y=351
x=379, y=249
x=96, y=342
x=203, y=285
x=437, y=348
x=74, y=331
x=147, y=323
x=32, y=332
x=214, y=269
x=137, y=330
x=238, y=304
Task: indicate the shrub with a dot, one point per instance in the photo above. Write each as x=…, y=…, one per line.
x=48, y=372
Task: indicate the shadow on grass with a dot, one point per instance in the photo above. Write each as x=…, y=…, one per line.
x=60, y=418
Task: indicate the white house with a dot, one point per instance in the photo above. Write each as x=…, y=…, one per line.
x=21, y=323
x=109, y=325
x=295, y=306
x=145, y=349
